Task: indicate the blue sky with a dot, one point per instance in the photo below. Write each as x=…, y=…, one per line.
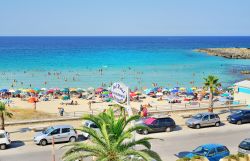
x=125, y=17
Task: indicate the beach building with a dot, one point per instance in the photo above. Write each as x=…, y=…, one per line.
x=242, y=91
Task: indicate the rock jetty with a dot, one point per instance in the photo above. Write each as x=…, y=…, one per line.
x=230, y=53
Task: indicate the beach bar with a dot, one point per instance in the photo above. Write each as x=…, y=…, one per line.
x=242, y=91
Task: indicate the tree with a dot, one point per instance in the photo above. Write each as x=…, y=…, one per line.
x=114, y=141
x=3, y=112
x=211, y=83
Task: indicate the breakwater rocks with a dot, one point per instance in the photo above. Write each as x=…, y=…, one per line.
x=230, y=53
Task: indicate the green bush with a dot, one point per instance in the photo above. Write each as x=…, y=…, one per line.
x=183, y=159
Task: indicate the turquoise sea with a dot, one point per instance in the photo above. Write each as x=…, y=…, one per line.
x=95, y=61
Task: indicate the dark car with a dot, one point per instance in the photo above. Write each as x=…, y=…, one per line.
x=239, y=117
x=158, y=125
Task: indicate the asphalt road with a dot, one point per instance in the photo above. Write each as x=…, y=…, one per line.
x=174, y=144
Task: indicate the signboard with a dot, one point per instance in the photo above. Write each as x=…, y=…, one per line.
x=119, y=92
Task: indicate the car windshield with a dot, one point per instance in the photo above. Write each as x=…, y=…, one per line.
x=245, y=145
x=86, y=124
x=198, y=116
x=2, y=135
x=238, y=112
x=201, y=151
x=48, y=130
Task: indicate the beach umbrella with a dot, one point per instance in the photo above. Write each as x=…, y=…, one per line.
x=31, y=91
x=12, y=91
x=32, y=100
x=65, y=90
x=193, y=88
x=159, y=94
x=72, y=89
x=50, y=91
x=165, y=90
x=4, y=90
x=90, y=89
x=17, y=92
x=56, y=89
x=225, y=95
x=182, y=89
x=43, y=89
x=147, y=91
x=174, y=91
x=105, y=92
x=65, y=98
x=99, y=90
x=79, y=90
x=133, y=94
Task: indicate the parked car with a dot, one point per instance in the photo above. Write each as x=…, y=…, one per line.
x=4, y=139
x=239, y=117
x=244, y=146
x=60, y=133
x=213, y=152
x=158, y=125
x=89, y=124
x=203, y=120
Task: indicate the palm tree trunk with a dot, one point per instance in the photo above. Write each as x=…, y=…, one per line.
x=2, y=121
x=211, y=103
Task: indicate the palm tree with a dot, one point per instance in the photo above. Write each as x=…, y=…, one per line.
x=211, y=83
x=3, y=112
x=114, y=141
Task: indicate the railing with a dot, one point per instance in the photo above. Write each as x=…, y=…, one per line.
x=195, y=105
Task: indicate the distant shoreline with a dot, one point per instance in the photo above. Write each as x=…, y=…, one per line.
x=230, y=53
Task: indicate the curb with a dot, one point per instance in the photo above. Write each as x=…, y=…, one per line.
x=41, y=121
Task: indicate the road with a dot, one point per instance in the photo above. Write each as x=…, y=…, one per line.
x=174, y=145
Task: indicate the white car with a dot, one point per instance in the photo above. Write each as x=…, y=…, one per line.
x=89, y=124
x=4, y=139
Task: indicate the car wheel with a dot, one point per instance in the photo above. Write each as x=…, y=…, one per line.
x=168, y=129
x=72, y=139
x=197, y=126
x=239, y=122
x=217, y=124
x=3, y=146
x=43, y=142
x=145, y=132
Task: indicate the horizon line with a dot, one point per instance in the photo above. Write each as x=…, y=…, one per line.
x=124, y=35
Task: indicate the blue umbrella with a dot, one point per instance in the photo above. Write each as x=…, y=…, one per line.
x=4, y=90
x=174, y=91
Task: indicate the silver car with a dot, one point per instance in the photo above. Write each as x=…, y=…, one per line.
x=244, y=146
x=89, y=124
x=60, y=133
x=203, y=119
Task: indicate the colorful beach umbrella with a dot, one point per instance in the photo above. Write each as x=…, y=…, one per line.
x=4, y=90
x=32, y=100
x=65, y=90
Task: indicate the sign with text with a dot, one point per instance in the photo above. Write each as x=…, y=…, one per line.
x=119, y=92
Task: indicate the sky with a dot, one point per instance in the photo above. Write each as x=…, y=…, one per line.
x=124, y=17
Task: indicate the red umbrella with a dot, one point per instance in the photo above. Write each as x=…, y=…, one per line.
x=99, y=90
x=133, y=94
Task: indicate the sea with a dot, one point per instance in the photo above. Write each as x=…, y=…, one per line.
x=139, y=62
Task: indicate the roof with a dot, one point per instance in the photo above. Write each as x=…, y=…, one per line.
x=245, y=83
x=2, y=131
x=210, y=146
x=62, y=126
x=247, y=139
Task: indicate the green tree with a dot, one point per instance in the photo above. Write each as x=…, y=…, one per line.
x=114, y=142
x=211, y=83
x=3, y=112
